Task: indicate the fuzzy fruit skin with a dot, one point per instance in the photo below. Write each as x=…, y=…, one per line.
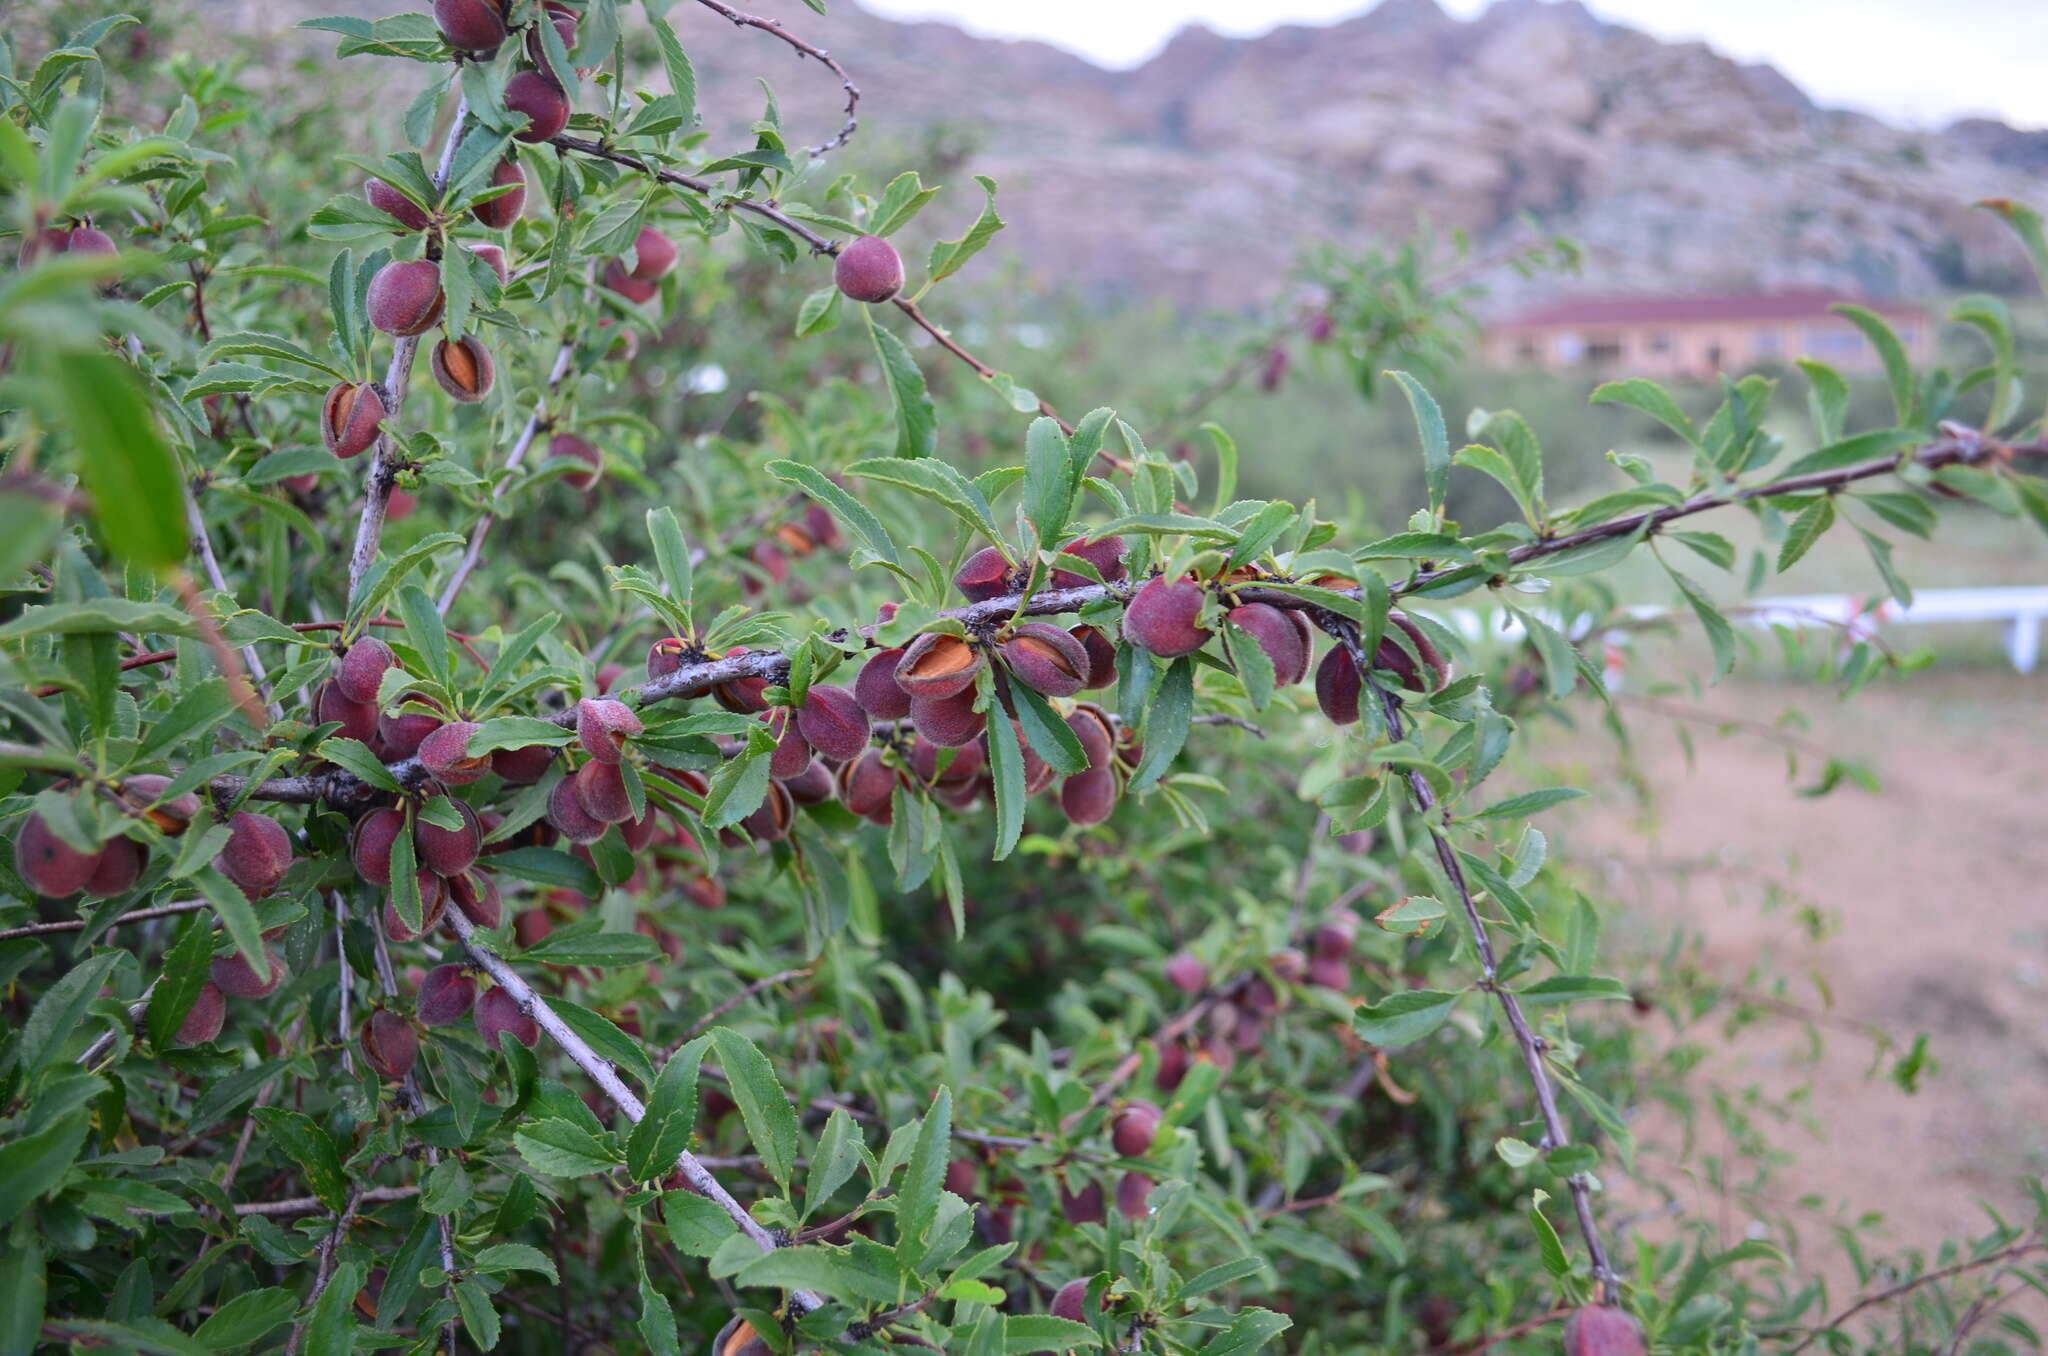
x=203, y=1021
x=145, y=791
x=390, y=1044
x=494, y=258
x=936, y=665
x=813, y=786
x=1106, y=554
x=565, y=811
x=449, y=852
x=1327, y=972
x=771, y=822
x=541, y=100
x=1162, y=616
x=1088, y=797
x=967, y=763
x=1101, y=652
x=1602, y=1330
x=523, y=767
x=985, y=575
x=89, y=240
x=570, y=446
x=446, y=995
x=498, y=1015
x=237, y=978
x=1338, y=686
x=876, y=688
x=792, y=755
x=1086, y=1206
x=601, y=790
x=405, y=297
x=1046, y=659
x=1277, y=636
x=603, y=726
x=471, y=25
x=433, y=903
x=358, y=719
x=1435, y=670
x=351, y=417
x=405, y=730
x=949, y=722
x=1134, y=1129
x=445, y=753
x=1071, y=1301
x=1132, y=1192
x=833, y=722
x=499, y=213
x=869, y=270
x=395, y=205
x=1187, y=974
x=866, y=785
x=654, y=254
x=119, y=867
x=257, y=855
x=476, y=894
x=619, y=279
x=1092, y=729
x=1174, y=1063
x=361, y=670
x=464, y=369
x=369, y=845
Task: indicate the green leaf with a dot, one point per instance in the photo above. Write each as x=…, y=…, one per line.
x=237, y=915
x=1572, y=989
x=1813, y=521
x=1166, y=724
x=1653, y=400
x=1249, y=1330
x=903, y=199
x=698, y=1227
x=185, y=971
x=770, y=1119
x=849, y=510
x=948, y=256
x=246, y=1318
x=2026, y=223
x=1403, y=1017
x=819, y=312
x=1719, y=633
x=1436, y=442
x=479, y=1319
x=131, y=475
x=354, y=757
x=937, y=481
x=549, y=867
x=917, y=429
x=515, y=732
x=310, y=1147
x=24, y=1282
x=61, y=1010
x=918, y=1199
x=603, y=1036
x=657, y=1322
x=1048, y=485
x=1529, y=803
x=331, y=1328
x=1043, y=1332
x=101, y=616
x=664, y=1132
x=562, y=1148
x=1863, y=447
x=567, y=947
x=1006, y=768
x=1827, y=398
x=33, y=1165
x=1046, y=731
x=514, y=1257
x=1898, y=369
x=672, y=553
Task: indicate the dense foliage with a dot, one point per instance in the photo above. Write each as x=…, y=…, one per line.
x=512, y=845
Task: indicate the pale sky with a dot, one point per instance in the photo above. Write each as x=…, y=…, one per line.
x=1919, y=62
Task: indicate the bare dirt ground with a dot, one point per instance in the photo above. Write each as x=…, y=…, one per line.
x=1924, y=906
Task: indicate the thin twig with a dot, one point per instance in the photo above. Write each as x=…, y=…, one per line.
x=2030, y=1242
x=313, y=1205
x=78, y=924
x=803, y=49
x=203, y=544
x=767, y=982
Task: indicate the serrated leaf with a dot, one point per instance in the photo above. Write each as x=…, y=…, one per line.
x=1403, y=1017
x=770, y=1120
x=916, y=421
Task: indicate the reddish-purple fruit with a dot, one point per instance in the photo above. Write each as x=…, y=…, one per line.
x=1071, y=1301
x=1602, y=1330
x=498, y=1015
x=369, y=844
x=566, y=813
x=1091, y=727
x=390, y=1045
x=937, y=665
x=869, y=269
x=445, y=753
x=350, y=417
x=1106, y=554
x=1101, y=652
x=523, y=767
x=542, y=101
x=877, y=690
x=617, y=278
x=813, y=786
x=601, y=790
x=145, y=792
x=1338, y=686
x=1186, y=973
x=238, y=979
x=476, y=26
x=395, y=205
x=1163, y=617
x=361, y=671
x=1328, y=972
x=476, y=894
x=603, y=725
x=500, y=212
x=770, y=823
x=1046, y=659
x=985, y=575
x=404, y=730
x=1434, y=670
x=405, y=297
x=119, y=867
x=867, y=785
x=358, y=719
x=89, y=240
x=449, y=852
x=1174, y=1063
x=665, y=656
x=464, y=369
x=1086, y=1206
x=446, y=995
x=257, y=855
x=564, y=21
x=966, y=764
x=1335, y=938
x=494, y=259
x=433, y=903
x=792, y=754
x=1132, y=1193
x=833, y=722
x=950, y=722
x=570, y=446
x=1277, y=636
x=204, y=1019
x=654, y=254
x=1134, y=1129
x=1088, y=797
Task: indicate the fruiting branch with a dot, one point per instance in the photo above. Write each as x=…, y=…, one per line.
x=803, y=49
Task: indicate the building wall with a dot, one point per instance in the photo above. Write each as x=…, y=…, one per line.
x=1696, y=350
